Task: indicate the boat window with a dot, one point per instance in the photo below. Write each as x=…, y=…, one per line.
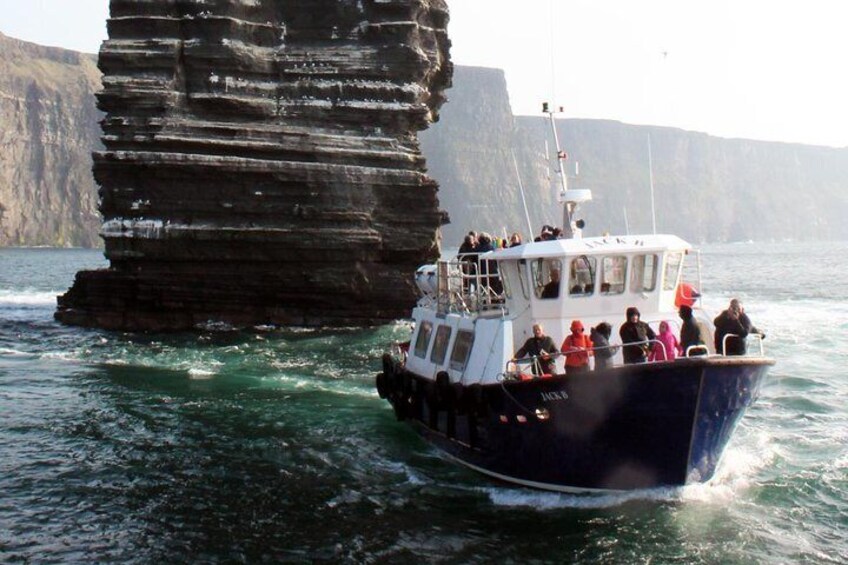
x=643, y=275
x=614, y=274
x=422, y=342
x=673, y=262
x=581, y=276
x=507, y=274
x=461, y=350
x=440, y=346
x=546, y=277
x=522, y=278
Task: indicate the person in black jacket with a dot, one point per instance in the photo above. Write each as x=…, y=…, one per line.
x=541, y=346
x=691, y=333
x=735, y=323
x=600, y=336
x=635, y=331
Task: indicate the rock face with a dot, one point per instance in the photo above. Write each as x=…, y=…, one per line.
x=261, y=162
x=707, y=189
x=48, y=127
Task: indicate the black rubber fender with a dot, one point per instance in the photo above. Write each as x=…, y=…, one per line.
x=444, y=390
x=382, y=384
x=399, y=405
x=475, y=399
x=388, y=364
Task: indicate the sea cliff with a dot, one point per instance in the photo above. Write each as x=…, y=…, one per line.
x=707, y=188
x=48, y=129
x=261, y=164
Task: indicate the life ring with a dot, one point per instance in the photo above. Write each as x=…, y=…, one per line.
x=686, y=295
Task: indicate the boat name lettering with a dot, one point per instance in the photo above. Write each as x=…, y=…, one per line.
x=554, y=396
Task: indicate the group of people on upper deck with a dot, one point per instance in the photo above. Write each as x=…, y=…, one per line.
x=640, y=343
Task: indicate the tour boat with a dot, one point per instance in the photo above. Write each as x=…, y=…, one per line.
x=620, y=427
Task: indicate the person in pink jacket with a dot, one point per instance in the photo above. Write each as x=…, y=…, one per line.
x=668, y=347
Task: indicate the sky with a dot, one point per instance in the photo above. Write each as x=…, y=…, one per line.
x=771, y=70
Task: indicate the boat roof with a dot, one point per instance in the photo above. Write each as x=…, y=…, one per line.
x=591, y=245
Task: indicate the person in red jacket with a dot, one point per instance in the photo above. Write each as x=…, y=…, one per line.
x=576, y=347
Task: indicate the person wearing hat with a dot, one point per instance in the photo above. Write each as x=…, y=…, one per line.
x=603, y=352
x=636, y=332
x=576, y=347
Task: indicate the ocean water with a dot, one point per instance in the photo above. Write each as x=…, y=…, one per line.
x=272, y=445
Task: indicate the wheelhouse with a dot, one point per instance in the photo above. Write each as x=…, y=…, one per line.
x=492, y=304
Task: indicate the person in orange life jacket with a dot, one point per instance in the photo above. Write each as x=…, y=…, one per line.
x=668, y=347
x=576, y=347
x=541, y=346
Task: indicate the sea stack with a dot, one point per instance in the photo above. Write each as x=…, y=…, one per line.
x=262, y=164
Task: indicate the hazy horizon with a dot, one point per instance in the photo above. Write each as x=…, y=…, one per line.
x=735, y=69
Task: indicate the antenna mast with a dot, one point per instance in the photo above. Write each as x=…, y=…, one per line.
x=523, y=199
x=651, y=179
x=569, y=199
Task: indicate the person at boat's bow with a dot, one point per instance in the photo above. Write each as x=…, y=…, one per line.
x=734, y=324
x=542, y=347
x=576, y=347
x=635, y=335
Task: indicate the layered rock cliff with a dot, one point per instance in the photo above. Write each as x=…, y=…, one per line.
x=261, y=162
x=48, y=128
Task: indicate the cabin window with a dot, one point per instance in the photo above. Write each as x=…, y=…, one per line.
x=507, y=274
x=522, y=278
x=673, y=262
x=461, y=350
x=614, y=274
x=440, y=346
x=546, y=277
x=422, y=342
x=643, y=275
x=581, y=276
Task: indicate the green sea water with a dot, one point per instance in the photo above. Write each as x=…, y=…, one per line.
x=271, y=445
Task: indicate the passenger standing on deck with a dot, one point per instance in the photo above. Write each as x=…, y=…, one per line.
x=489, y=269
x=637, y=332
x=600, y=336
x=735, y=323
x=467, y=257
x=541, y=346
x=576, y=347
x=692, y=334
x=668, y=347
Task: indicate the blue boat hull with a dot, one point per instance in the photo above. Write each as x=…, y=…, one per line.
x=630, y=427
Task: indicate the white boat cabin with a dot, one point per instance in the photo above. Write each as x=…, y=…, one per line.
x=476, y=312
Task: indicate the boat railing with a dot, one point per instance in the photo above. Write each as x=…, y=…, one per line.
x=527, y=368
x=693, y=349
x=469, y=285
x=757, y=336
